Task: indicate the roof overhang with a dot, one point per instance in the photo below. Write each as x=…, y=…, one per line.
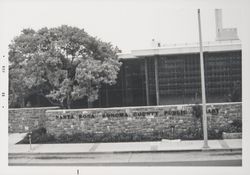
x=218, y=46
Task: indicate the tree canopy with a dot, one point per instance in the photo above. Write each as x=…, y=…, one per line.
x=63, y=64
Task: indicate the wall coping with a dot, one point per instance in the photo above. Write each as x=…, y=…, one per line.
x=133, y=107
x=54, y=107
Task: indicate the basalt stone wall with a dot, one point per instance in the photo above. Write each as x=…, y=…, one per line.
x=27, y=119
x=171, y=121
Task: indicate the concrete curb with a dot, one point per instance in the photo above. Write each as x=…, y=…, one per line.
x=125, y=152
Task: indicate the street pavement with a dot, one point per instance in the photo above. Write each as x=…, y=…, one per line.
x=166, y=152
x=130, y=159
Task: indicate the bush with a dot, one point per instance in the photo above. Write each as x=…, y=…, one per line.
x=215, y=133
x=237, y=125
x=107, y=137
x=39, y=135
x=197, y=111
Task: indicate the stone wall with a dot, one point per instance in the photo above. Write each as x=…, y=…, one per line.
x=177, y=121
x=27, y=119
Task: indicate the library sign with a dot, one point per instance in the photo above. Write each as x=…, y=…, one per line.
x=134, y=114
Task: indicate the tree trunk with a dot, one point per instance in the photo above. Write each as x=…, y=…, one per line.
x=90, y=104
x=69, y=101
x=38, y=100
x=22, y=105
x=69, y=96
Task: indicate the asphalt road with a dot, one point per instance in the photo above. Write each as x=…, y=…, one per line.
x=185, y=163
x=218, y=158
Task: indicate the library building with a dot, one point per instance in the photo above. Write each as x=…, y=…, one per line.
x=170, y=74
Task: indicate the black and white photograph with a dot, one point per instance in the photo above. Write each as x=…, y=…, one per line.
x=122, y=84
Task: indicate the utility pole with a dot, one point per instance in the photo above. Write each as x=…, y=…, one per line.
x=205, y=146
x=156, y=80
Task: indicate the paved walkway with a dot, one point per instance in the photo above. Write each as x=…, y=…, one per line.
x=164, y=145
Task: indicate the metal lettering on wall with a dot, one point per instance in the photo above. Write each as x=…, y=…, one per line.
x=212, y=111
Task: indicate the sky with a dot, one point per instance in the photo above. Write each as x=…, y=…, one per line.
x=129, y=25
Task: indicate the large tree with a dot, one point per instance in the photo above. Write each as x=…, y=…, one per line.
x=63, y=64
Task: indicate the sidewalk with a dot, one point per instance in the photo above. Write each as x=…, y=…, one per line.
x=121, y=147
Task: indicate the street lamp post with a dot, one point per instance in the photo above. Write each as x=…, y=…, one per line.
x=204, y=114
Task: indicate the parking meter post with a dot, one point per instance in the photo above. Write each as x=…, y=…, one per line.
x=172, y=131
x=30, y=141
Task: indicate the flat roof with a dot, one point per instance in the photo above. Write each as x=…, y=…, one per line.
x=214, y=46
